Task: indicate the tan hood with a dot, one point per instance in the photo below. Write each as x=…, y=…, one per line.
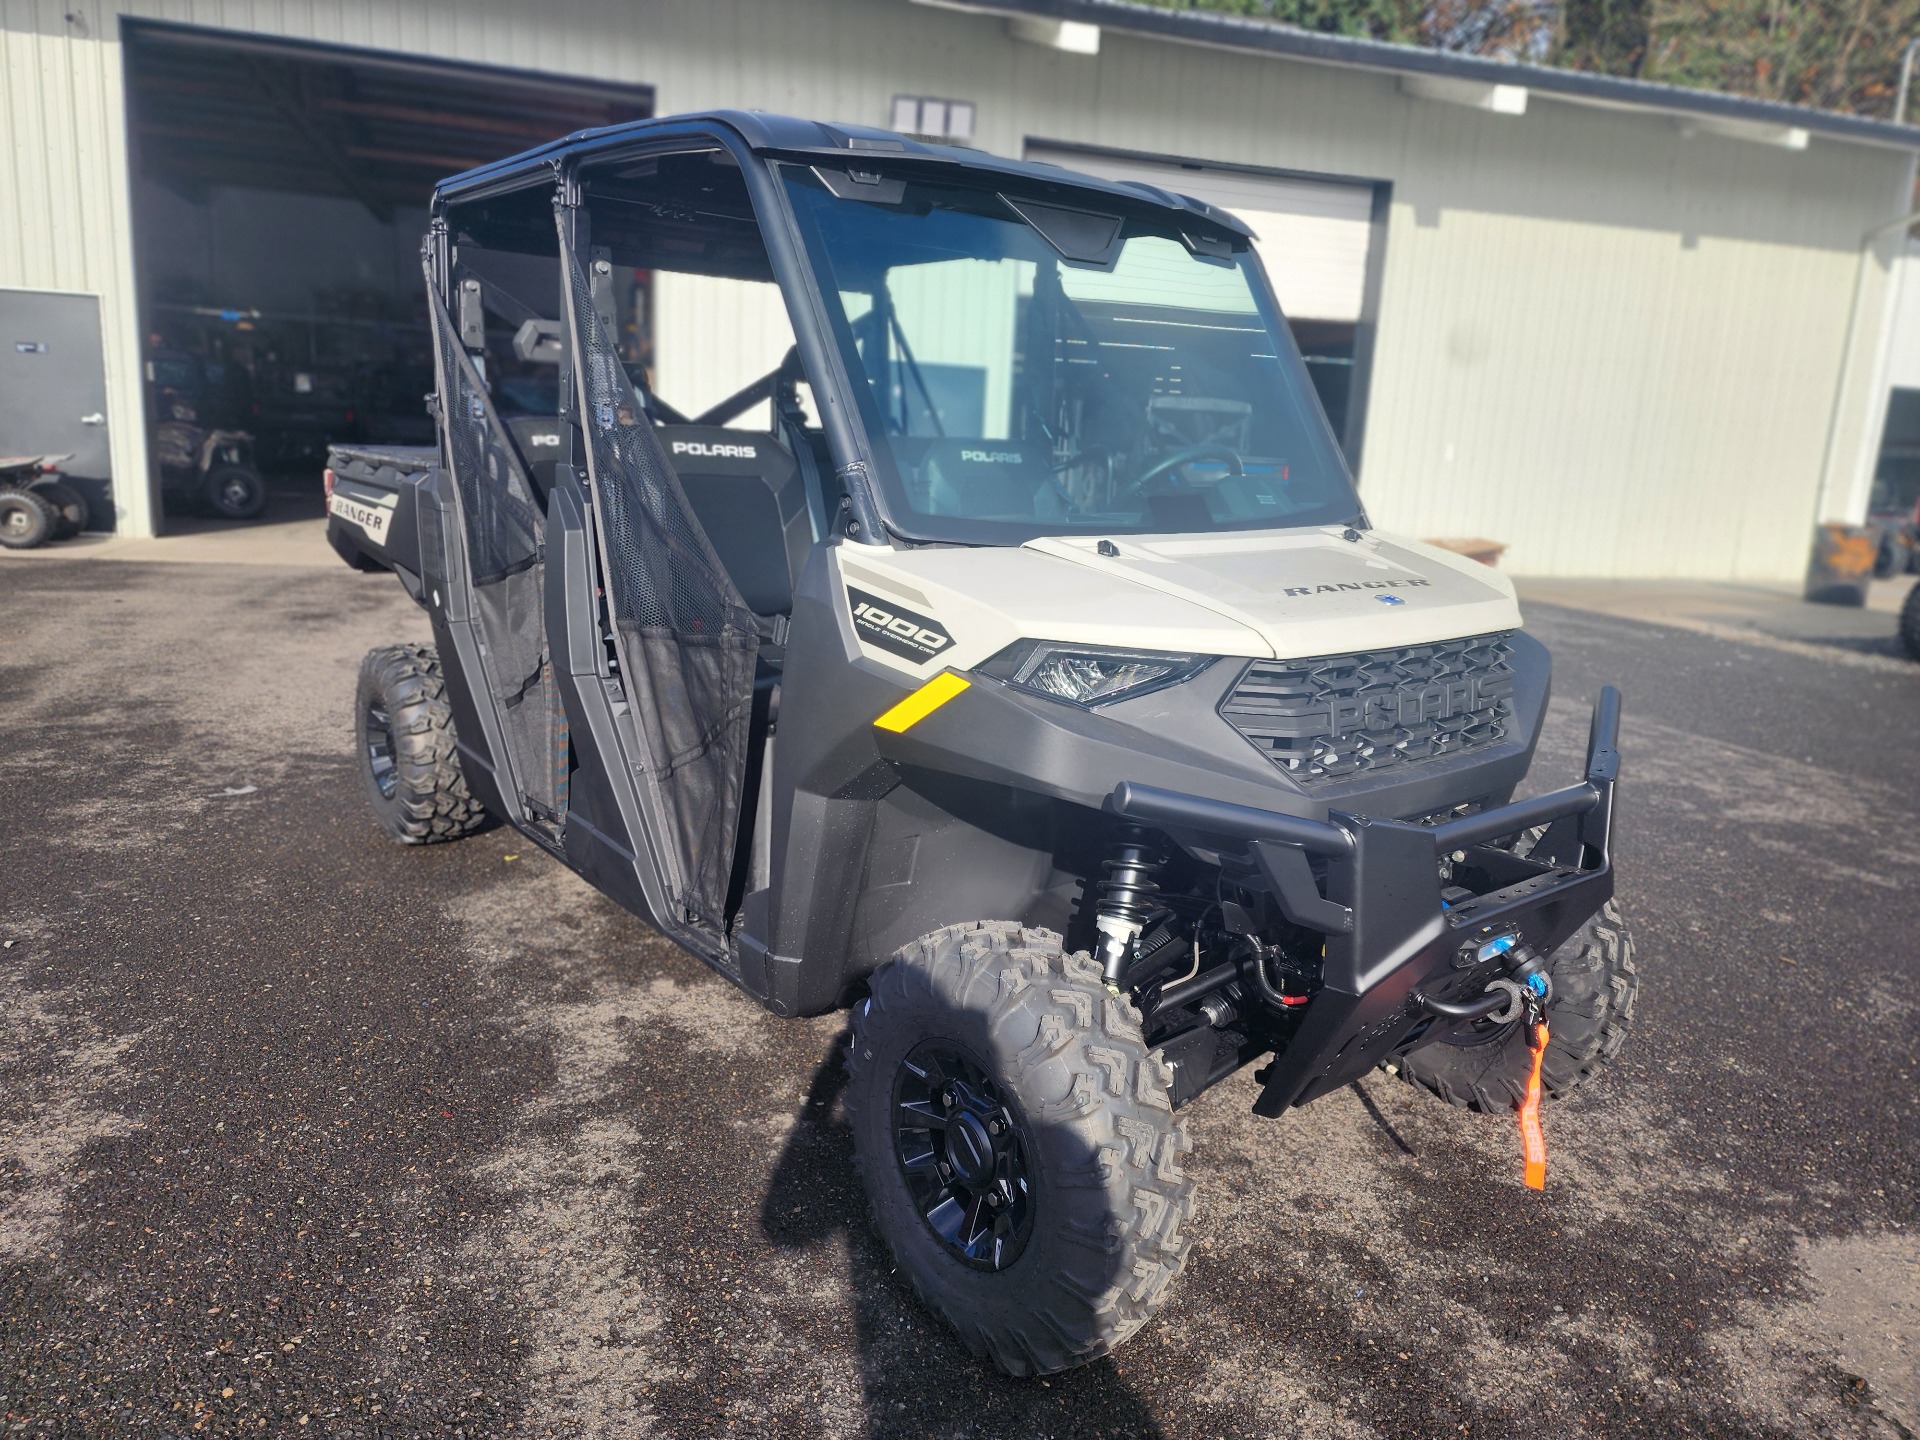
x=1311, y=592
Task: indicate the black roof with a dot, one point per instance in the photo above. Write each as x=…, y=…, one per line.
x=1236, y=32
x=816, y=141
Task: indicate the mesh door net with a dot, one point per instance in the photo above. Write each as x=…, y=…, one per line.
x=685, y=637
x=504, y=532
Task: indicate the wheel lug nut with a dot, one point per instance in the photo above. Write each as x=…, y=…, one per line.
x=994, y=1127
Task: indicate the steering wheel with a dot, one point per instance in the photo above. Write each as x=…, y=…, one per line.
x=1184, y=456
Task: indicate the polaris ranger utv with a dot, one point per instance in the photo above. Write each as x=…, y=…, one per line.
x=1029, y=682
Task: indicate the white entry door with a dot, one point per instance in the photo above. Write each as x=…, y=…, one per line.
x=53, y=389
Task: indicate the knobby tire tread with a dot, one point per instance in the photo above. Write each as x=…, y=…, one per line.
x=69, y=507
x=49, y=519
x=1115, y=1198
x=431, y=802
x=1596, y=986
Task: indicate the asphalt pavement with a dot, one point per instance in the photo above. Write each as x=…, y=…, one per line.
x=302, y=1133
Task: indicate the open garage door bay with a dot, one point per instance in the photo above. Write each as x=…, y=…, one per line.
x=280, y=198
x=1318, y=240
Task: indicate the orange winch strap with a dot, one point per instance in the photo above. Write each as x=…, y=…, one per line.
x=1533, y=1142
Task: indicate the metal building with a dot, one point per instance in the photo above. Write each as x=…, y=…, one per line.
x=1626, y=329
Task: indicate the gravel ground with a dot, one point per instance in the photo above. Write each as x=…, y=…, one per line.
x=304, y=1134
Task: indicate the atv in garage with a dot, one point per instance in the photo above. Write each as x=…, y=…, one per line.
x=36, y=504
x=1031, y=684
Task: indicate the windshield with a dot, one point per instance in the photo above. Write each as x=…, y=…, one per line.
x=1011, y=392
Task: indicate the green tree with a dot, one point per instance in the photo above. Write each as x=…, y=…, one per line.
x=1605, y=35
x=1834, y=54
x=1508, y=29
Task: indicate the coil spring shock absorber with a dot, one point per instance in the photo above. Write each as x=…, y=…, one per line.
x=1127, y=896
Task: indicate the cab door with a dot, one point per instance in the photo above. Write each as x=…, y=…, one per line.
x=684, y=644
x=495, y=597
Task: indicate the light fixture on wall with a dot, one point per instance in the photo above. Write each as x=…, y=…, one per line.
x=933, y=118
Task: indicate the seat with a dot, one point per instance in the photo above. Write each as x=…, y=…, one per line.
x=544, y=441
x=746, y=492
x=989, y=480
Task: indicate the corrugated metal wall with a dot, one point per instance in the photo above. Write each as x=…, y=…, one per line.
x=63, y=199
x=1615, y=347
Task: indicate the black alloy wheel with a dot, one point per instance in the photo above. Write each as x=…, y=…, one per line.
x=1060, y=1218
x=964, y=1155
x=378, y=738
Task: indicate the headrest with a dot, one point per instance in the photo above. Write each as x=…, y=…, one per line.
x=960, y=460
x=716, y=450
x=986, y=479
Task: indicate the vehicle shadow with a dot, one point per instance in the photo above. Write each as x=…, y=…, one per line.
x=916, y=1375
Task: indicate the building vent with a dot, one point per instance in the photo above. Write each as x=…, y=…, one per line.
x=929, y=118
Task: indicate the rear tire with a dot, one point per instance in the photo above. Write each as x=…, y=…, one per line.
x=991, y=1024
x=403, y=731
x=26, y=519
x=234, y=492
x=1910, y=621
x=70, y=507
x=1595, y=987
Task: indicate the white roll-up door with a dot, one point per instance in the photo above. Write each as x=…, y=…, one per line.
x=1313, y=234
x=1903, y=359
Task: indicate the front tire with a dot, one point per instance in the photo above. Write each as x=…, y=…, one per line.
x=1018, y=1144
x=26, y=519
x=1910, y=621
x=403, y=731
x=1595, y=987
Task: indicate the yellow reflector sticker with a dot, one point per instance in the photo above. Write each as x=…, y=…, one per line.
x=922, y=702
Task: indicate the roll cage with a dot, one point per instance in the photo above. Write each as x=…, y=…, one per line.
x=753, y=141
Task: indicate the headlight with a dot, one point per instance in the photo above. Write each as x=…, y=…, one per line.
x=1088, y=674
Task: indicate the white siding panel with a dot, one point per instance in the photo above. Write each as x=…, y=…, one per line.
x=713, y=337
x=63, y=189
x=1617, y=348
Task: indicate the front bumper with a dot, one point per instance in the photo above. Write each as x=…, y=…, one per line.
x=1395, y=951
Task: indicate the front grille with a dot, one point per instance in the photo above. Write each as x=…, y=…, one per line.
x=1337, y=716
